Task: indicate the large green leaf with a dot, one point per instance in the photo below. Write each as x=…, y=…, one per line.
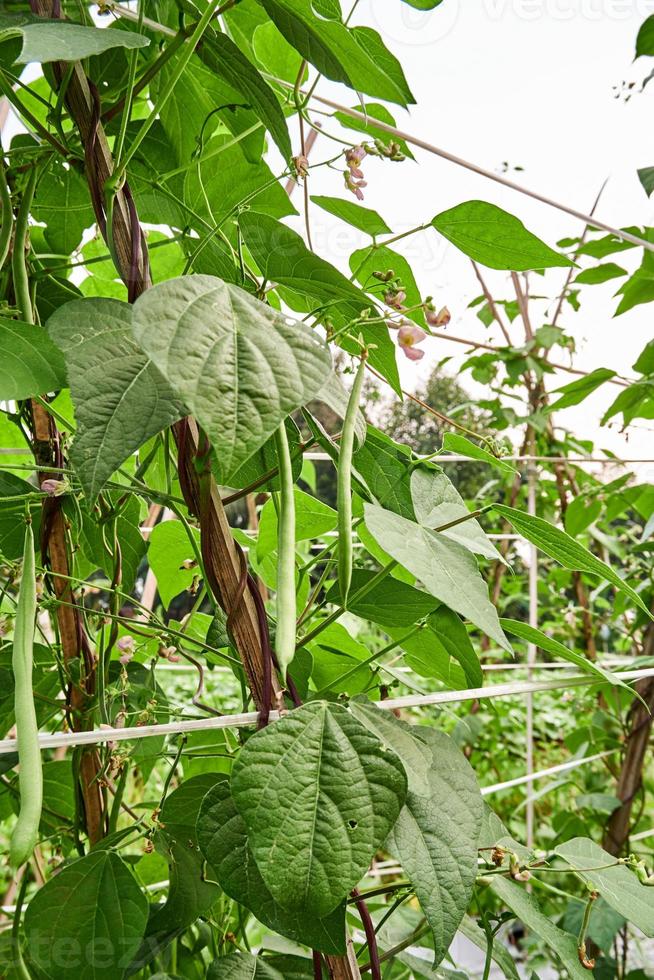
x=240, y=366
x=242, y=966
x=437, y=502
x=495, y=238
x=564, y=549
x=120, y=397
x=31, y=364
x=222, y=836
x=59, y=40
x=616, y=884
x=355, y=56
x=318, y=796
x=87, y=921
x=435, y=839
x=224, y=58
x=526, y=908
x=548, y=643
x=446, y=568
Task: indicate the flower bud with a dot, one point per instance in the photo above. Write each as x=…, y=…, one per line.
x=55, y=488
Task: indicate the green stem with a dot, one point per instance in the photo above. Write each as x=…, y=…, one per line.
x=19, y=962
x=118, y=798
x=364, y=663
x=7, y=213
x=169, y=87
x=358, y=595
x=586, y=919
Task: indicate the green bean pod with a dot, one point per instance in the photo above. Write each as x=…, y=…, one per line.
x=344, y=489
x=18, y=260
x=30, y=772
x=286, y=598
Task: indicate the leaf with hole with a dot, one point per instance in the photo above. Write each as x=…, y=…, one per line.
x=318, y=796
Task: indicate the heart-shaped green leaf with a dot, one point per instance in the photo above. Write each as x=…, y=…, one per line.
x=239, y=366
x=87, y=921
x=319, y=794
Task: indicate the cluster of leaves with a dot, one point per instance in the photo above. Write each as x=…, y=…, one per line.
x=337, y=815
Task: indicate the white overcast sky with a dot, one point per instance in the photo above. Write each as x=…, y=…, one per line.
x=531, y=82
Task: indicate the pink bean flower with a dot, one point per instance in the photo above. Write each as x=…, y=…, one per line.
x=407, y=337
x=126, y=647
x=355, y=186
x=438, y=319
x=395, y=298
x=353, y=158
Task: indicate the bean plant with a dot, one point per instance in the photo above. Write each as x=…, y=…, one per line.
x=246, y=734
